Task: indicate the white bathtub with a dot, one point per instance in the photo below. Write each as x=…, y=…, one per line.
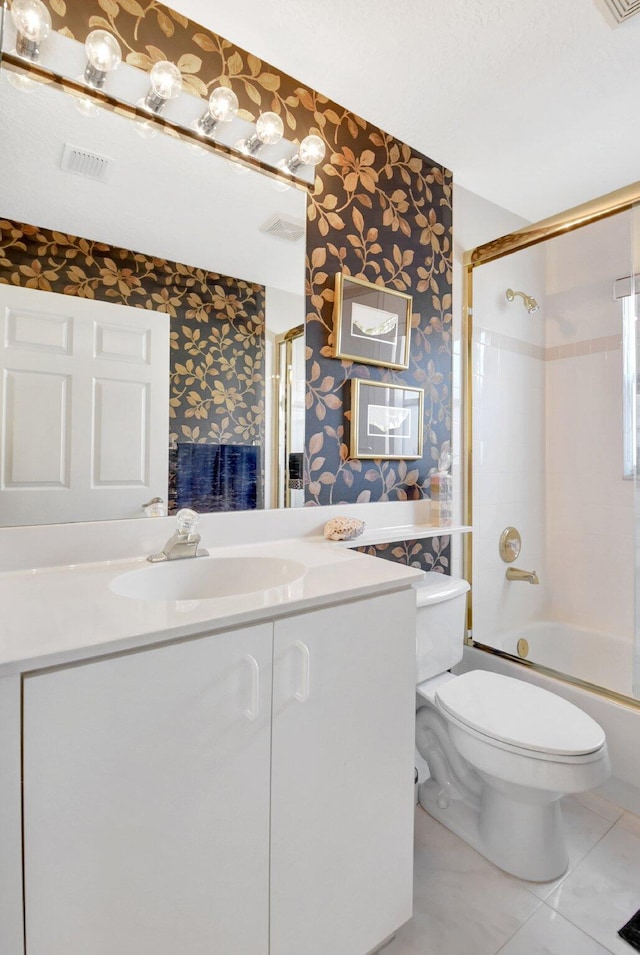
x=600, y=658
x=620, y=722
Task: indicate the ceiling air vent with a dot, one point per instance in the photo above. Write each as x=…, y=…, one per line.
x=290, y=229
x=81, y=162
x=618, y=11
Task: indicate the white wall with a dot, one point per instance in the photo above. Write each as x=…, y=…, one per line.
x=475, y=221
x=508, y=443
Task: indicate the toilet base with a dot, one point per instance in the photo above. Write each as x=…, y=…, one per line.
x=525, y=838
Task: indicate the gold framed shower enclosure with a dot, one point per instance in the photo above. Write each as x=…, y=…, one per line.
x=611, y=204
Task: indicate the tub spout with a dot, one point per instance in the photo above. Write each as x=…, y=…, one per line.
x=529, y=576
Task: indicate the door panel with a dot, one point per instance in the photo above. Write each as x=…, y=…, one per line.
x=84, y=406
x=146, y=801
x=342, y=777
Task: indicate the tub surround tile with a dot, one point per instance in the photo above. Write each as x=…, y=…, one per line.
x=548, y=932
x=602, y=893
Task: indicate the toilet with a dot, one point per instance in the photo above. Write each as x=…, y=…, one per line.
x=501, y=752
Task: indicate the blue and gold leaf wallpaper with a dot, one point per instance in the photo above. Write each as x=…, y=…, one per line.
x=380, y=211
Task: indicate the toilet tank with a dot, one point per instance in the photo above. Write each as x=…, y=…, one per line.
x=440, y=623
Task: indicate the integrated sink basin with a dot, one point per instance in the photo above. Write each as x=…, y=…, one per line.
x=204, y=578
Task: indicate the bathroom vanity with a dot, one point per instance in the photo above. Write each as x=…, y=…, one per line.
x=227, y=774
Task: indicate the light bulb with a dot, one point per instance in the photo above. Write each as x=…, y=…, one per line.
x=269, y=130
x=223, y=107
x=166, y=84
x=311, y=151
x=104, y=55
x=32, y=21
x=223, y=104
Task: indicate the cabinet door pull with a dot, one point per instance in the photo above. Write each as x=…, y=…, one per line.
x=302, y=695
x=252, y=712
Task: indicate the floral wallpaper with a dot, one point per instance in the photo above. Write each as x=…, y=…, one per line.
x=413, y=553
x=217, y=366
x=380, y=211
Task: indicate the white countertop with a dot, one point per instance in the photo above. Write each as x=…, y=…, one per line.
x=57, y=615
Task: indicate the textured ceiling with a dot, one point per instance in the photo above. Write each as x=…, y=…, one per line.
x=531, y=103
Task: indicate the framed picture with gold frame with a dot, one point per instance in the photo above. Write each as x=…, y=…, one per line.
x=386, y=420
x=371, y=323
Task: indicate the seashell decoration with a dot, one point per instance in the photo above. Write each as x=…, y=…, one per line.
x=343, y=528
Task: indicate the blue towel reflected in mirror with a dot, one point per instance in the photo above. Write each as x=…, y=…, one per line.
x=211, y=477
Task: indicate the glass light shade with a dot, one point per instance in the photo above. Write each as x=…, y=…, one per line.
x=269, y=128
x=166, y=80
x=312, y=150
x=31, y=19
x=103, y=51
x=223, y=104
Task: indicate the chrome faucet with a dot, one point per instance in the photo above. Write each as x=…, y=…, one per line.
x=184, y=541
x=529, y=576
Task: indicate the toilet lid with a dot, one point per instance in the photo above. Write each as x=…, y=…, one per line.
x=520, y=714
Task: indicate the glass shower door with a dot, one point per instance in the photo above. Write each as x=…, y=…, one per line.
x=555, y=397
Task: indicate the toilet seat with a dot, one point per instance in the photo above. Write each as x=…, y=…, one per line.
x=520, y=717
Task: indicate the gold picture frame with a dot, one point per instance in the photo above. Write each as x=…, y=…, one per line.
x=386, y=421
x=371, y=323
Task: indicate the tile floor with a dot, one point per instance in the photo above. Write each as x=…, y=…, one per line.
x=464, y=905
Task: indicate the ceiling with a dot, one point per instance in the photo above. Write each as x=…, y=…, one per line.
x=531, y=103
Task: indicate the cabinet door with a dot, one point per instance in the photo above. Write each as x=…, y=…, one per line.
x=342, y=777
x=146, y=801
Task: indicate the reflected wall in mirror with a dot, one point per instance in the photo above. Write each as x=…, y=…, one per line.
x=106, y=440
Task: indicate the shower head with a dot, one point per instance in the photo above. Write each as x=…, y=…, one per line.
x=529, y=301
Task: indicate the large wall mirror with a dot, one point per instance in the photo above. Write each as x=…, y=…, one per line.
x=108, y=402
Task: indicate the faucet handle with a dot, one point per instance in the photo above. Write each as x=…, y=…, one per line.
x=187, y=520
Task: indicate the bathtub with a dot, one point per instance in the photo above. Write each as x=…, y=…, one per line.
x=598, y=657
x=594, y=657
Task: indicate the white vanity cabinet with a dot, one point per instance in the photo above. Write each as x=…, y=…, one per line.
x=342, y=777
x=146, y=801
x=173, y=803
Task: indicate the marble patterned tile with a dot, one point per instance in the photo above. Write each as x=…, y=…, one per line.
x=583, y=829
x=598, y=804
x=603, y=891
x=548, y=933
x=630, y=822
x=462, y=903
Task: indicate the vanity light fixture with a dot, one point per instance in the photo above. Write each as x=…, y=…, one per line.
x=166, y=84
x=311, y=151
x=103, y=56
x=269, y=131
x=32, y=21
x=223, y=107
